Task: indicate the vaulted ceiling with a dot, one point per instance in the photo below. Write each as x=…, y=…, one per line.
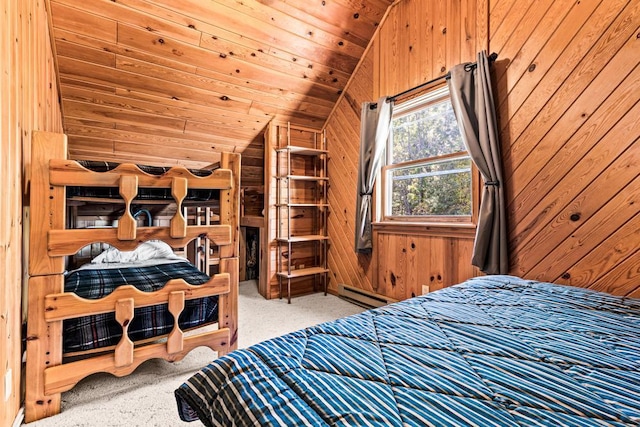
x=163, y=79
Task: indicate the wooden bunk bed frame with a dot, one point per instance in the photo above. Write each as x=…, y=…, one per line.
x=50, y=243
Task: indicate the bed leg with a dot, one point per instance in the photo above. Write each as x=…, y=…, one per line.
x=44, y=349
x=228, y=307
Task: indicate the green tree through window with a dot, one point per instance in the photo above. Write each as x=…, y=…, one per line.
x=428, y=172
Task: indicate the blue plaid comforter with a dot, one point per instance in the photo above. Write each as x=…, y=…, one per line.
x=493, y=351
x=90, y=332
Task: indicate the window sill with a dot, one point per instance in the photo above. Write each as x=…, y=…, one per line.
x=448, y=229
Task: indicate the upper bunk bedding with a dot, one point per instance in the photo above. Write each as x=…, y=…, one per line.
x=148, y=268
x=495, y=350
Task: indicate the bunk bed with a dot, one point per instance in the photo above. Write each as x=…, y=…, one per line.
x=148, y=302
x=495, y=350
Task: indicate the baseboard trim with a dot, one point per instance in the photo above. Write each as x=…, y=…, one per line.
x=363, y=298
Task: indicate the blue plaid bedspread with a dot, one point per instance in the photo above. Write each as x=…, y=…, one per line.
x=493, y=351
x=90, y=332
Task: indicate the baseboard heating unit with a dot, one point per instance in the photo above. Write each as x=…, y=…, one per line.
x=363, y=298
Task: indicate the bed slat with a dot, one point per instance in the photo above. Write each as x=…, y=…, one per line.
x=68, y=242
x=58, y=379
x=124, y=350
x=69, y=172
x=175, y=342
x=68, y=305
x=178, y=222
x=126, y=223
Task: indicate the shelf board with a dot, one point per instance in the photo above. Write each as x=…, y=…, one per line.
x=306, y=238
x=303, y=177
x=293, y=149
x=252, y=221
x=302, y=272
x=302, y=205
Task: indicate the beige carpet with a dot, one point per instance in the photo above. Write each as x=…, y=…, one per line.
x=145, y=398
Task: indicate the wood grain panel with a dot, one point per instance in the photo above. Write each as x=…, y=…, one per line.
x=83, y=22
x=568, y=116
x=28, y=102
x=566, y=85
x=413, y=264
x=343, y=133
x=243, y=63
x=620, y=240
x=538, y=114
x=582, y=160
x=419, y=40
x=535, y=91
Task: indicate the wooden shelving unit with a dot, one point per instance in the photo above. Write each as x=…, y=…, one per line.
x=301, y=182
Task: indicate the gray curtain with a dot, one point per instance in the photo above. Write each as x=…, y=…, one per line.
x=374, y=130
x=472, y=100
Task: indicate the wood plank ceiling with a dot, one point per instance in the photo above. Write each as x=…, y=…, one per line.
x=165, y=81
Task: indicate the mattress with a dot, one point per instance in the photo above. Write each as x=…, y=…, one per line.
x=496, y=350
x=96, y=331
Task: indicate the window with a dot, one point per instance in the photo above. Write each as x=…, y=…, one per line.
x=428, y=174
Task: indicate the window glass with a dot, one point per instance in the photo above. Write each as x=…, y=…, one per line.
x=428, y=172
x=436, y=188
x=425, y=132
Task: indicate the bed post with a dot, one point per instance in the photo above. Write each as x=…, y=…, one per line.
x=229, y=214
x=228, y=308
x=47, y=212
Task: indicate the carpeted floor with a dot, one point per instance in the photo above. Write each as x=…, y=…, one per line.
x=145, y=398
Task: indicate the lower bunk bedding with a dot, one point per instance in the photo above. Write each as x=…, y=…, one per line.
x=148, y=268
x=493, y=351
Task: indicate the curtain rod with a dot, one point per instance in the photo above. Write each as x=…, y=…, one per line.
x=471, y=66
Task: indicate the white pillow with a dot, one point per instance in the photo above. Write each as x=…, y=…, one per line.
x=111, y=254
x=153, y=249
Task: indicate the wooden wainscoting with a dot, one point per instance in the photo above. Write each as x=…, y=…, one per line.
x=418, y=262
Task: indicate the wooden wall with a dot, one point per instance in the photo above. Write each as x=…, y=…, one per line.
x=566, y=83
x=418, y=41
x=28, y=101
x=252, y=183
x=252, y=172
x=343, y=140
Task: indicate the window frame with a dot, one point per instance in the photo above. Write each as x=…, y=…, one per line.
x=425, y=99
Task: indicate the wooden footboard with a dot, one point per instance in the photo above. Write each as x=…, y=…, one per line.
x=126, y=357
x=50, y=243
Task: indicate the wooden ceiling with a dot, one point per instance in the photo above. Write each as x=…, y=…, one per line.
x=166, y=81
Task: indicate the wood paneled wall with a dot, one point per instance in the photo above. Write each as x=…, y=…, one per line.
x=343, y=143
x=252, y=171
x=568, y=84
x=28, y=101
x=418, y=41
